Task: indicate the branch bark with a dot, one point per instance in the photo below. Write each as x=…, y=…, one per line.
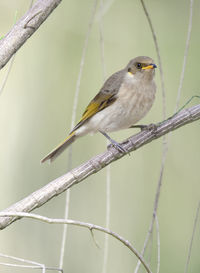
x=24, y=28
x=80, y=173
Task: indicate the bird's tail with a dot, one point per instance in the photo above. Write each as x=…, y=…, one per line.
x=60, y=148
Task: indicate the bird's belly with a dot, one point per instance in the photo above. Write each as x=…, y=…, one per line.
x=128, y=109
x=122, y=113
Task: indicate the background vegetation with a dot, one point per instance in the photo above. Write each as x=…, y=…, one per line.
x=35, y=115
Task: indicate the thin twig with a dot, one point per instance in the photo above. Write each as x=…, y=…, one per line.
x=12, y=59
x=94, y=165
x=37, y=265
x=187, y=102
x=108, y=182
x=185, y=56
x=7, y=74
x=150, y=230
x=65, y=228
x=159, y=58
x=150, y=245
x=192, y=238
x=107, y=5
x=31, y=4
x=94, y=239
x=108, y=172
x=82, y=64
x=165, y=141
x=158, y=243
x=80, y=224
x=164, y=146
x=74, y=110
x=32, y=267
x=25, y=266
x=102, y=41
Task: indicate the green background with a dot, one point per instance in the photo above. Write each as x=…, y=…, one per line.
x=35, y=115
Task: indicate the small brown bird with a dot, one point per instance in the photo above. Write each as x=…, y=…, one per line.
x=124, y=99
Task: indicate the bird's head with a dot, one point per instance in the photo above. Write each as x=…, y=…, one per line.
x=141, y=67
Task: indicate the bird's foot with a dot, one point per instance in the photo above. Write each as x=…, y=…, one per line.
x=118, y=146
x=115, y=144
x=149, y=127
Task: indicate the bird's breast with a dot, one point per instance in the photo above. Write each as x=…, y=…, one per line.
x=134, y=100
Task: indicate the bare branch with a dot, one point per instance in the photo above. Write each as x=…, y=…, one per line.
x=185, y=55
x=108, y=171
x=158, y=243
x=192, y=238
x=165, y=140
x=80, y=224
x=11, y=62
x=24, y=28
x=74, y=110
x=165, y=145
x=78, y=174
x=157, y=196
x=34, y=265
x=158, y=55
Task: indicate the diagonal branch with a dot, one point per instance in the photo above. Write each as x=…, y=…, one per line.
x=78, y=174
x=24, y=28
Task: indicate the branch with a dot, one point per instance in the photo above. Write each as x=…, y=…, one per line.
x=192, y=238
x=80, y=173
x=34, y=265
x=73, y=119
x=24, y=28
x=82, y=224
x=158, y=56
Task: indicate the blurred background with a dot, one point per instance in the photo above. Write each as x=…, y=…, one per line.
x=35, y=115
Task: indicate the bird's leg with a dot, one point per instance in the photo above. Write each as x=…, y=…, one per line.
x=114, y=143
x=141, y=127
x=150, y=127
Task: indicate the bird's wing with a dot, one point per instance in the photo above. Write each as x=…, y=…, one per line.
x=105, y=97
x=100, y=102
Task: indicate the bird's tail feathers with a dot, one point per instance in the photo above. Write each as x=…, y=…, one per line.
x=60, y=148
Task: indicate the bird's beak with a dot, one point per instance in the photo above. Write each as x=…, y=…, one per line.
x=151, y=66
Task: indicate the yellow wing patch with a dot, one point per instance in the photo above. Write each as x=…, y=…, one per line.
x=92, y=109
x=100, y=102
x=97, y=104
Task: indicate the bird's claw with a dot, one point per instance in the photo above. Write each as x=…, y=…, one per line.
x=118, y=147
x=149, y=127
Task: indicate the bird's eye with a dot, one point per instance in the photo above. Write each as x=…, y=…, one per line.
x=139, y=65
x=129, y=69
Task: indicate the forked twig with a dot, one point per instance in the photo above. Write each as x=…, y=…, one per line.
x=34, y=265
x=81, y=224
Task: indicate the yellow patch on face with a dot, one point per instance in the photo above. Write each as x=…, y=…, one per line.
x=130, y=74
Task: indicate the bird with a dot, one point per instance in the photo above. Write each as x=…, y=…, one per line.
x=124, y=99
